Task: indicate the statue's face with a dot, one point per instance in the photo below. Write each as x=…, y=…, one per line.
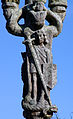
x=38, y=6
x=40, y=37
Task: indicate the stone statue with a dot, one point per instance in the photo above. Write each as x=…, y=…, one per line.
x=39, y=74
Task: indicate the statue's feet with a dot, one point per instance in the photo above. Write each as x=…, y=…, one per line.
x=49, y=113
x=27, y=99
x=32, y=102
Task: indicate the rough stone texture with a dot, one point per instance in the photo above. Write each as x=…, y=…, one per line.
x=39, y=74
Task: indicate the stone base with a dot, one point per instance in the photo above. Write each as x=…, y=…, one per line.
x=40, y=114
x=36, y=115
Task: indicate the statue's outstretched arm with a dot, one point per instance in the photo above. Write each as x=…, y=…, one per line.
x=56, y=15
x=55, y=23
x=13, y=14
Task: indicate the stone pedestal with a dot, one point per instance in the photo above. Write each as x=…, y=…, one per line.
x=36, y=115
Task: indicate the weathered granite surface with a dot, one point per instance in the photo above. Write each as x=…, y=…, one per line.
x=39, y=74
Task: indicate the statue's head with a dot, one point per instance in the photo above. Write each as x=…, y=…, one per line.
x=41, y=37
x=38, y=6
x=44, y=1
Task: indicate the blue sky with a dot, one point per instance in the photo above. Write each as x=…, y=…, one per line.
x=11, y=85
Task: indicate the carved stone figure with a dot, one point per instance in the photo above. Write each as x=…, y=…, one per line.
x=39, y=74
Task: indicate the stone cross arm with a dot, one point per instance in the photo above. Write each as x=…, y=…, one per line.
x=55, y=23
x=12, y=15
